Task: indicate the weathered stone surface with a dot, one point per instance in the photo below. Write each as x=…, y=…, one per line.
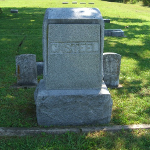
x=72, y=107
x=74, y=2
x=72, y=92
x=111, y=68
x=114, y=32
x=14, y=10
x=26, y=69
x=106, y=20
x=73, y=48
x=39, y=68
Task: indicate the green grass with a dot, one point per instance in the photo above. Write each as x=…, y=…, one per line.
x=124, y=140
x=131, y=104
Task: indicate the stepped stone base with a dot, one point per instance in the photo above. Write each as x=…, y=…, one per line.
x=72, y=107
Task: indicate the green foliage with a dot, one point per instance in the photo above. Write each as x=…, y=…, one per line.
x=146, y=2
x=124, y=1
x=1, y=10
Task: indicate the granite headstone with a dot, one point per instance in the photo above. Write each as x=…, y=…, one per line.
x=26, y=69
x=111, y=68
x=71, y=91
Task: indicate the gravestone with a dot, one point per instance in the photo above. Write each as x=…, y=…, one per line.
x=74, y=2
x=111, y=68
x=71, y=91
x=14, y=10
x=26, y=69
x=114, y=32
x=39, y=68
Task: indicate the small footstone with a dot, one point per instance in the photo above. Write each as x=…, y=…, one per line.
x=74, y=2
x=106, y=20
x=26, y=69
x=111, y=69
x=72, y=91
x=64, y=2
x=14, y=11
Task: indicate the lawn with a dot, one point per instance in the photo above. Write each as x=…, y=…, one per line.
x=131, y=103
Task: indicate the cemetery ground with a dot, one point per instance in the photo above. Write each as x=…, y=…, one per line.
x=131, y=103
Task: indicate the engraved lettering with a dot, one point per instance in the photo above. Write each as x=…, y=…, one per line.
x=89, y=47
x=95, y=47
x=76, y=47
x=67, y=48
x=82, y=48
x=55, y=48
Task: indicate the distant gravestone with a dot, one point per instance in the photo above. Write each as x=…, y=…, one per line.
x=111, y=69
x=114, y=32
x=26, y=69
x=64, y=2
x=71, y=91
x=14, y=10
x=74, y=2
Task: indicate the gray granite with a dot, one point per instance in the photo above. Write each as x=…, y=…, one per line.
x=72, y=107
x=26, y=69
x=74, y=2
x=106, y=20
x=73, y=60
x=111, y=68
x=14, y=10
x=17, y=131
x=64, y=2
x=114, y=32
x=39, y=68
x=71, y=92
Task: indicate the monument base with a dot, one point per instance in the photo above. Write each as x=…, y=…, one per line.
x=72, y=107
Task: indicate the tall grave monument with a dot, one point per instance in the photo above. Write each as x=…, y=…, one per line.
x=72, y=91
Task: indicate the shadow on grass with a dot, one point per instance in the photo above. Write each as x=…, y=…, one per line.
x=29, y=22
x=136, y=139
x=138, y=52
x=20, y=110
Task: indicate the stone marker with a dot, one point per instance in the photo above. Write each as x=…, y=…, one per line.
x=114, y=32
x=39, y=68
x=14, y=10
x=72, y=91
x=26, y=69
x=106, y=20
x=111, y=68
x=74, y=2
x=64, y=2
x=91, y=3
x=83, y=3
